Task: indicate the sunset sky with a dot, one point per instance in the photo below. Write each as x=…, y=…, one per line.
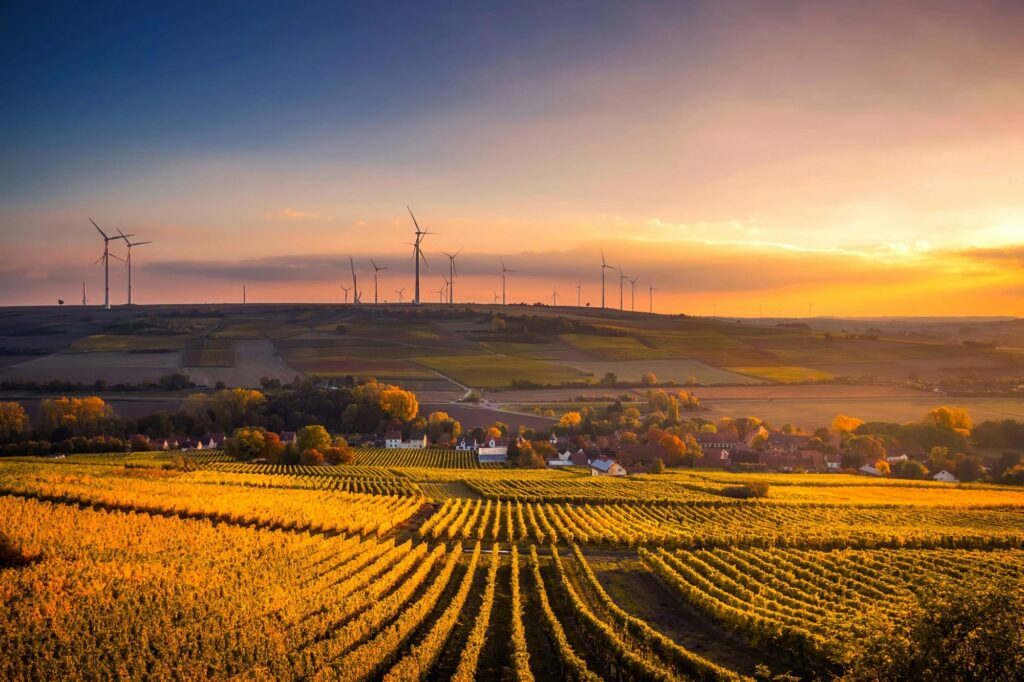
x=866, y=158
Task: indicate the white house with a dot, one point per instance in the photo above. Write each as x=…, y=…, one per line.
x=946, y=477
x=896, y=459
x=466, y=445
x=493, y=450
x=563, y=459
x=869, y=470
x=606, y=467
x=393, y=441
x=833, y=462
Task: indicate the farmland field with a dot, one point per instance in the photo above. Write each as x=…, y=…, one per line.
x=395, y=569
x=493, y=371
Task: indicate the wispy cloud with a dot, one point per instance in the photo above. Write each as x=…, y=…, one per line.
x=293, y=214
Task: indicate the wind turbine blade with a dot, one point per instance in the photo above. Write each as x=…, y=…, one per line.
x=374, y=265
x=98, y=260
x=98, y=228
x=138, y=243
x=413, y=220
x=113, y=255
x=603, y=264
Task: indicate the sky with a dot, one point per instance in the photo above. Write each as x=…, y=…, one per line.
x=741, y=158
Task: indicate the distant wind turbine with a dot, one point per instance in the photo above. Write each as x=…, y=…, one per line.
x=504, y=270
x=650, y=293
x=400, y=293
x=495, y=297
x=376, y=269
x=346, y=290
x=128, y=260
x=85, y=301
x=622, y=277
x=554, y=297
x=441, y=292
x=632, y=300
x=417, y=253
x=355, y=283
x=105, y=259
x=452, y=271
x=604, y=266
x=579, y=294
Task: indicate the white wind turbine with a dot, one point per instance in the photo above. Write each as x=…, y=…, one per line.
x=105, y=259
x=128, y=260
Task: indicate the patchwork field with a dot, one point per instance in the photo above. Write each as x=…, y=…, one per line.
x=495, y=371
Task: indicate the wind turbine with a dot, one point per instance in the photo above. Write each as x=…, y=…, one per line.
x=622, y=276
x=346, y=290
x=579, y=294
x=355, y=283
x=650, y=293
x=441, y=292
x=452, y=271
x=417, y=253
x=376, y=269
x=604, y=266
x=400, y=293
x=128, y=260
x=504, y=270
x=495, y=298
x=105, y=259
x=554, y=297
x=632, y=299
x=85, y=301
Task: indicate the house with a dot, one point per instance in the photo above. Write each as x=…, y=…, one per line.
x=715, y=458
x=717, y=441
x=759, y=432
x=493, y=450
x=635, y=455
x=289, y=437
x=785, y=442
x=833, y=463
x=466, y=444
x=579, y=458
x=869, y=470
x=603, y=466
x=415, y=442
x=211, y=441
x=946, y=477
x=392, y=440
x=563, y=459
x=164, y=443
x=894, y=459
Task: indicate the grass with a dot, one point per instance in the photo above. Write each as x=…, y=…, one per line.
x=783, y=374
x=614, y=347
x=497, y=371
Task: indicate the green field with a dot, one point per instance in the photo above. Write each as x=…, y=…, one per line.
x=783, y=374
x=496, y=371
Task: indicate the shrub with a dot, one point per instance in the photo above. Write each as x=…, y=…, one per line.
x=747, y=490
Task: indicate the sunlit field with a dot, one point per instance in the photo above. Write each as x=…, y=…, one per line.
x=384, y=570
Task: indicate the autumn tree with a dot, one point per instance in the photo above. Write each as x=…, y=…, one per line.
x=339, y=452
x=312, y=437
x=649, y=379
x=273, y=449
x=951, y=419
x=311, y=457
x=224, y=410
x=657, y=400
x=245, y=443
x=13, y=421
x=89, y=416
x=399, y=403
x=570, y=421
x=843, y=424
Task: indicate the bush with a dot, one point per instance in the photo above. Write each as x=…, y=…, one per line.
x=311, y=457
x=657, y=467
x=746, y=491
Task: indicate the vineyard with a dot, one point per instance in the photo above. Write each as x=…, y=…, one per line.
x=117, y=566
x=209, y=352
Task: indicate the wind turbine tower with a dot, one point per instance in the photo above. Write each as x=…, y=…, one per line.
x=504, y=271
x=622, y=277
x=84, y=300
x=452, y=271
x=554, y=297
x=376, y=269
x=355, y=283
x=632, y=295
x=604, y=266
x=105, y=259
x=346, y=290
x=579, y=294
x=417, y=253
x=128, y=260
x=650, y=294
x=400, y=293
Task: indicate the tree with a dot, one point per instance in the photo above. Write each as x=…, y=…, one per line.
x=911, y=469
x=312, y=437
x=89, y=416
x=339, y=452
x=657, y=466
x=672, y=411
x=649, y=379
x=570, y=421
x=399, y=403
x=882, y=466
x=311, y=457
x=13, y=421
x=950, y=419
x=245, y=443
x=139, y=443
x=844, y=424
x=657, y=400
x=971, y=632
x=609, y=379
